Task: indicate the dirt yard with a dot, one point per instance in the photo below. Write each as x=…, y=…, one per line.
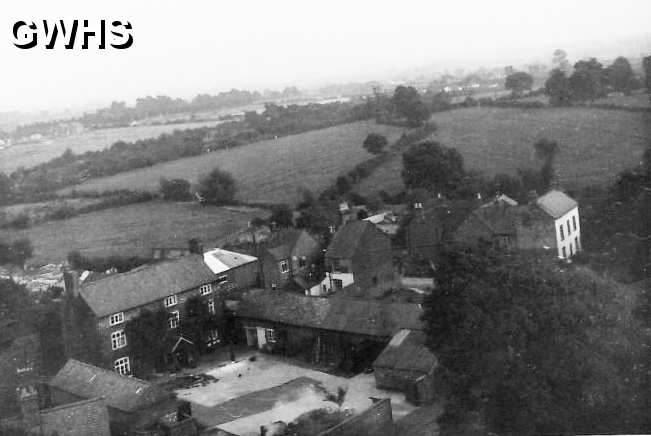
x=248, y=394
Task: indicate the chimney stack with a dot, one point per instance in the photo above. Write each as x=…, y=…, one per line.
x=195, y=246
x=71, y=283
x=29, y=410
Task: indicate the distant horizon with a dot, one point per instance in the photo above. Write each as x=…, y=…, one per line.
x=264, y=46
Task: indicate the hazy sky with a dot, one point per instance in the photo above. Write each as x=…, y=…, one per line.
x=185, y=47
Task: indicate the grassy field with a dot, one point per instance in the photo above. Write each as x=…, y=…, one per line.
x=266, y=171
x=595, y=144
x=133, y=230
x=29, y=155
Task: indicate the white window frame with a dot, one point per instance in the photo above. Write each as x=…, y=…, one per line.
x=302, y=262
x=212, y=338
x=116, y=318
x=171, y=301
x=118, y=340
x=222, y=279
x=285, y=263
x=122, y=366
x=174, y=319
x=562, y=233
x=211, y=306
x=270, y=335
x=205, y=289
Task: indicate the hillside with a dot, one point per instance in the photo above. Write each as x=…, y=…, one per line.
x=133, y=230
x=267, y=171
x=595, y=144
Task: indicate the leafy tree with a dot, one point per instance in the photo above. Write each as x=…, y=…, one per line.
x=282, y=216
x=16, y=252
x=559, y=60
x=546, y=150
x=375, y=143
x=515, y=338
x=407, y=103
x=198, y=322
x=519, y=82
x=557, y=87
x=218, y=187
x=175, y=189
x=5, y=188
x=431, y=166
x=342, y=184
x=588, y=80
x=148, y=336
x=620, y=76
x=646, y=64
x=441, y=101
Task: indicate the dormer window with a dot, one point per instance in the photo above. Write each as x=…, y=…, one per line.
x=284, y=266
x=116, y=318
x=170, y=301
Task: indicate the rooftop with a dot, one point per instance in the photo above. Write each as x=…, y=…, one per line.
x=407, y=351
x=146, y=284
x=120, y=392
x=556, y=203
x=344, y=243
x=220, y=260
x=373, y=318
x=280, y=244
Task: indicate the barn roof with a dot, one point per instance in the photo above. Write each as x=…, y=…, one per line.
x=345, y=242
x=373, y=318
x=120, y=392
x=407, y=351
x=556, y=203
x=144, y=285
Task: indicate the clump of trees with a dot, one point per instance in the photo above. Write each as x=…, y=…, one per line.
x=175, y=189
x=589, y=81
x=217, y=187
x=375, y=143
x=432, y=166
x=518, y=83
x=16, y=252
x=101, y=264
x=407, y=104
x=524, y=348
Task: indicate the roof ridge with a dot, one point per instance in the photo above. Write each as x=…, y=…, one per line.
x=108, y=371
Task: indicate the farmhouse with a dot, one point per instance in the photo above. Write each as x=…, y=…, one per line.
x=133, y=404
x=287, y=255
x=341, y=332
x=551, y=222
x=98, y=311
x=361, y=252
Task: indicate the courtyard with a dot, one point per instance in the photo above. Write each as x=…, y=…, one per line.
x=259, y=389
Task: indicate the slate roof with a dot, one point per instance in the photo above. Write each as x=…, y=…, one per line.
x=144, y=285
x=120, y=392
x=220, y=260
x=556, y=203
x=373, y=318
x=345, y=242
x=407, y=351
x=499, y=218
x=280, y=244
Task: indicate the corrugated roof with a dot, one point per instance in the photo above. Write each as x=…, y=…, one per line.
x=220, y=260
x=373, y=318
x=120, y=392
x=345, y=241
x=556, y=203
x=407, y=351
x=144, y=285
